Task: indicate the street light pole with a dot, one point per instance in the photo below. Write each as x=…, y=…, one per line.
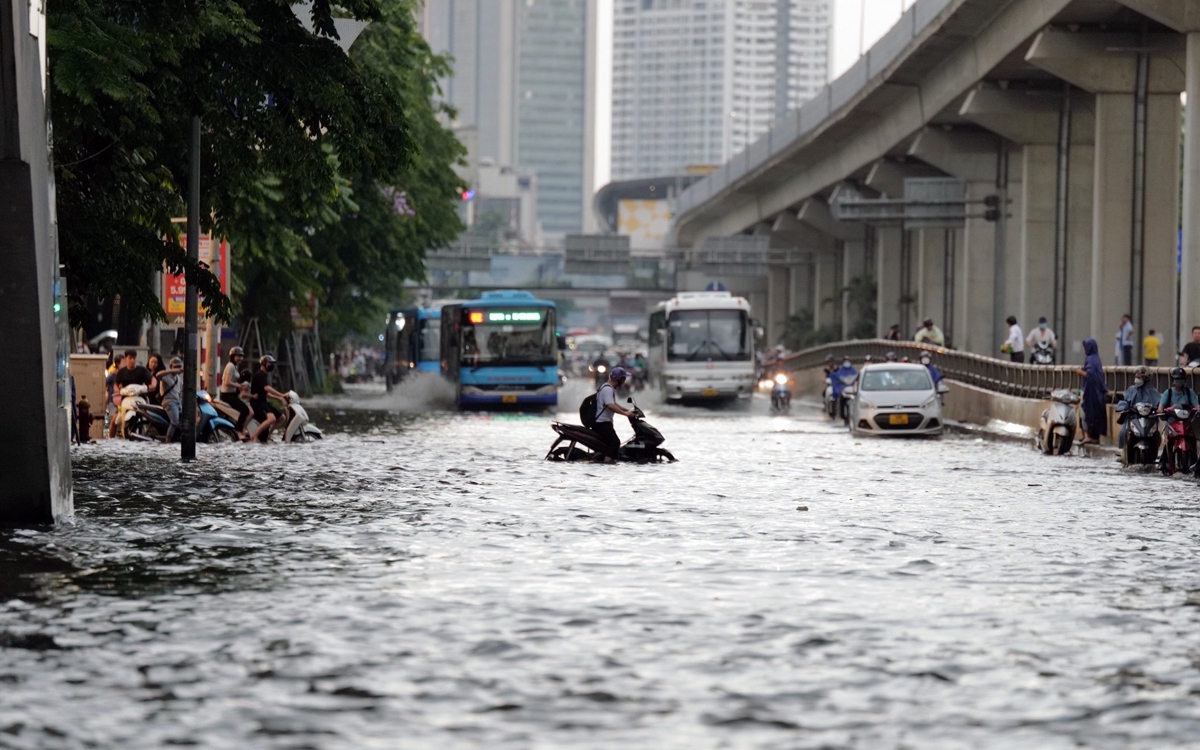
x=190, y=311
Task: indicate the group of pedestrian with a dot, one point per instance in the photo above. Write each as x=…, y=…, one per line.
x=1016, y=343
x=163, y=382
x=245, y=392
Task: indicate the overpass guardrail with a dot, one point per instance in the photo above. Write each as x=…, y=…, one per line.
x=988, y=373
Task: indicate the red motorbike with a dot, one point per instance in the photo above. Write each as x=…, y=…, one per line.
x=1180, y=451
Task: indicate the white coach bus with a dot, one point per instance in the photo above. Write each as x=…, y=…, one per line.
x=702, y=347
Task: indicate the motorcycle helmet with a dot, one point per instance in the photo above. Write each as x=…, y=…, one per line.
x=619, y=373
x=891, y=356
x=237, y=351
x=925, y=358
x=829, y=358
x=267, y=362
x=1177, y=375
x=867, y=359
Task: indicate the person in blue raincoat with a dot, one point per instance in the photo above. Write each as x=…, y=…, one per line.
x=1095, y=389
x=840, y=379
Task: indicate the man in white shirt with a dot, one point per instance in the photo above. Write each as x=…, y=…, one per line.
x=930, y=334
x=1014, y=345
x=1125, y=341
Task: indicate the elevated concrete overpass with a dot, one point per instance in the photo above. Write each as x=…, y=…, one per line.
x=1065, y=112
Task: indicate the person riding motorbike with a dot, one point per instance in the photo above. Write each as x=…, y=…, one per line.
x=1141, y=392
x=130, y=373
x=1179, y=394
x=598, y=374
x=934, y=372
x=891, y=357
x=839, y=379
x=260, y=389
x=232, y=388
x=606, y=407
x=830, y=364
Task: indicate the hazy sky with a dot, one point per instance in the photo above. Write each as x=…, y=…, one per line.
x=847, y=32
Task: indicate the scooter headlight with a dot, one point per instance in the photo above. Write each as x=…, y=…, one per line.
x=602, y=369
x=1181, y=413
x=781, y=379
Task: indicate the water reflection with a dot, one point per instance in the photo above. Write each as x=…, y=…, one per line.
x=426, y=580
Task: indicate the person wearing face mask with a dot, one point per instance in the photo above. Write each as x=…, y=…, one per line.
x=1042, y=334
x=1141, y=392
x=260, y=390
x=841, y=378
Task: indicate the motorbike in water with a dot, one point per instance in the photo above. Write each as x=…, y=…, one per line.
x=583, y=444
x=293, y=424
x=1142, y=437
x=1057, y=426
x=151, y=422
x=1179, y=455
x=1042, y=354
x=842, y=405
x=781, y=393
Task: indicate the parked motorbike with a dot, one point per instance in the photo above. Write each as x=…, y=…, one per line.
x=1042, y=354
x=1057, y=426
x=211, y=425
x=1143, y=437
x=1180, y=452
x=132, y=425
x=781, y=393
x=293, y=425
x=582, y=444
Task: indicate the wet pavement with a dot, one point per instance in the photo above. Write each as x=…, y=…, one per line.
x=425, y=580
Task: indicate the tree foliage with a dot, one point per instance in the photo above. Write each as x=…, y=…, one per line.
x=299, y=143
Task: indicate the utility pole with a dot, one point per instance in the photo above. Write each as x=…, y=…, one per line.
x=191, y=352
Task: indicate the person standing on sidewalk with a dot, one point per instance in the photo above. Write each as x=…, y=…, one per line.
x=1150, y=346
x=1014, y=345
x=1125, y=341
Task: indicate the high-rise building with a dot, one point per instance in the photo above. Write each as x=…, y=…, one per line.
x=524, y=79
x=696, y=81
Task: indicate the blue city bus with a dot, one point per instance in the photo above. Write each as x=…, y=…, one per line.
x=502, y=350
x=412, y=342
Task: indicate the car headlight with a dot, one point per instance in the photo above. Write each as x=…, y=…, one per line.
x=862, y=404
x=932, y=400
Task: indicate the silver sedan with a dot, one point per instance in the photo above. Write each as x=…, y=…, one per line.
x=896, y=399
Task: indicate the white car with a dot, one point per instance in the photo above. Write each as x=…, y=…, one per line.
x=896, y=399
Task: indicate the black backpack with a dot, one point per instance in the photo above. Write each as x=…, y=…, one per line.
x=587, y=410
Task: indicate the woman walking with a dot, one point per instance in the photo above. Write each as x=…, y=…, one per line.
x=1095, y=414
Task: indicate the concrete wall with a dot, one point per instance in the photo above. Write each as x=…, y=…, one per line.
x=37, y=475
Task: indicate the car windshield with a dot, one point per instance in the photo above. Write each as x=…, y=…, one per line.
x=495, y=336
x=431, y=340
x=719, y=335
x=896, y=380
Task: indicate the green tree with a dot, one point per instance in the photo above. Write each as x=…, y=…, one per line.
x=287, y=115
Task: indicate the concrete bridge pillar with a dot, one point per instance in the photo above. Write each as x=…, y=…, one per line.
x=888, y=273
x=827, y=305
x=973, y=157
x=930, y=246
x=1136, y=79
x=854, y=265
x=37, y=474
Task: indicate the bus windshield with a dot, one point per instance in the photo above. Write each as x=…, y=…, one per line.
x=430, y=331
x=719, y=335
x=497, y=337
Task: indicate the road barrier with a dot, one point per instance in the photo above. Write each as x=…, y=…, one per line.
x=996, y=375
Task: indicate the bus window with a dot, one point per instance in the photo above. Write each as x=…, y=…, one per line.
x=708, y=334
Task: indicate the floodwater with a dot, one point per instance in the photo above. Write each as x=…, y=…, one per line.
x=426, y=580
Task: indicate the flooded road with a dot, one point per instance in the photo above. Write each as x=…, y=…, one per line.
x=427, y=581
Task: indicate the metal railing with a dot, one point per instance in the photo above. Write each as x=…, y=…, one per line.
x=996, y=375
